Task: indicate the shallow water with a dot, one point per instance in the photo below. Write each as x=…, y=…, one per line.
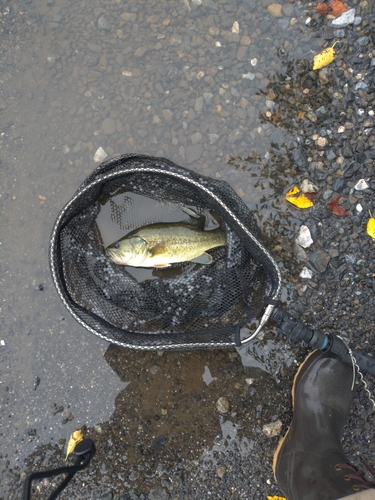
x=163, y=78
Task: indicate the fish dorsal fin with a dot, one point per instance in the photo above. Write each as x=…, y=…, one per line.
x=205, y=258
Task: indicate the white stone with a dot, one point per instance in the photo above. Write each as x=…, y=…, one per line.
x=361, y=185
x=248, y=76
x=273, y=429
x=100, y=155
x=359, y=208
x=235, y=27
x=254, y=61
x=345, y=19
x=304, y=239
x=308, y=187
x=306, y=273
x=2, y=342
x=341, y=129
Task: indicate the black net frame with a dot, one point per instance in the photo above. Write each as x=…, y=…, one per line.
x=244, y=274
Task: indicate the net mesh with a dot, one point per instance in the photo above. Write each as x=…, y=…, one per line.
x=187, y=305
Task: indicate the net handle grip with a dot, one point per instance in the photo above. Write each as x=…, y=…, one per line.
x=330, y=344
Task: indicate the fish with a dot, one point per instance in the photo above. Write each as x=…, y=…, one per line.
x=162, y=244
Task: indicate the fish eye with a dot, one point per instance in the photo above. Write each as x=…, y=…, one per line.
x=117, y=245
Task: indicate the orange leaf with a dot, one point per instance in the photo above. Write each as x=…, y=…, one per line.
x=336, y=7
x=322, y=8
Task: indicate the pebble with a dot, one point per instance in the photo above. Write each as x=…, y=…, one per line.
x=154, y=369
x=344, y=20
x=222, y=405
x=235, y=27
x=100, y=155
x=306, y=273
x=109, y=126
x=103, y=24
x=359, y=208
x=275, y=9
x=308, y=187
x=273, y=429
x=193, y=152
x=221, y=470
x=319, y=261
x=321, y=142
x=304, y=238
x=361, y=185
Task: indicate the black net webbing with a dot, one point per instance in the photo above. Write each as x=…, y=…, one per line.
x=186, y=306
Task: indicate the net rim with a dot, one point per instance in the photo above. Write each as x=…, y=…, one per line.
x=161, y=170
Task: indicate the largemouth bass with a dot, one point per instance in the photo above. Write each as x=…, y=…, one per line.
x=163, y=244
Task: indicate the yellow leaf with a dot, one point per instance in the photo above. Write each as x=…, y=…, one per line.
x=276, y=498
x=371, y=227
x=74, y=439
x=324, y=57
x=299, y=200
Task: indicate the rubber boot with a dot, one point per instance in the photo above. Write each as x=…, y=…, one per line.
x=310, y=463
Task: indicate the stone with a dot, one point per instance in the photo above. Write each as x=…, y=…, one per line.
x=128, y=16
x=222, y=405
x=140, y=52
x=344, y=20
x=100, y=155
x=158, y=493
x=109, y=126
x=196, y=137
x=273, y=429
x=275, y=9
x=221, y=470
x=319, y=261
x=193, y=152
x=103, y=24
x=175, y=40
x=306, y=273
x=304, y=237
x=361, y=185
x=245, y=40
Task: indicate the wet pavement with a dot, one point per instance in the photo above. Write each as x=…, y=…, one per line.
x=226, y=89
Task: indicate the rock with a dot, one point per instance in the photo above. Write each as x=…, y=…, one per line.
x=222, y=405
x=235, y=136
x=345, y=19
x=275, y=9
x=196, y=137
x=158, y=493
x=273, y=429
x=128, y=16
x=140, y=52
x=300, y=159
x=241, y=53
x=100, y=155
x=221, y=470
x=321, y=142
x=91, y=59
x=319, y=261
x=306, y=273
x=109, y=126
x=167, y=114
x=304, y=238
x=283, y=23
x=193, y=152
x=103, y=24
x=288, y=9
x=175, y=40
x=308, y=187
x=245, y=40
x=235, y=27
x=198, y=104
x=361, y=185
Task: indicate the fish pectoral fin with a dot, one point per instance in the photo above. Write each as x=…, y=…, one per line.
x=161, y=265
x=205, y=258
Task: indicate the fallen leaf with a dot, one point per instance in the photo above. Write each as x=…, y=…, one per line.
x=276, y=498
x=336, y=208
x=324, y=57
x=333, y=7
x=74, y=439
x=300, y=200
x=336, y=7
x=371, y=227
x=322, y=8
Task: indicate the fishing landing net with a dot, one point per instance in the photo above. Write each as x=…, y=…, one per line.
x=184, y=306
